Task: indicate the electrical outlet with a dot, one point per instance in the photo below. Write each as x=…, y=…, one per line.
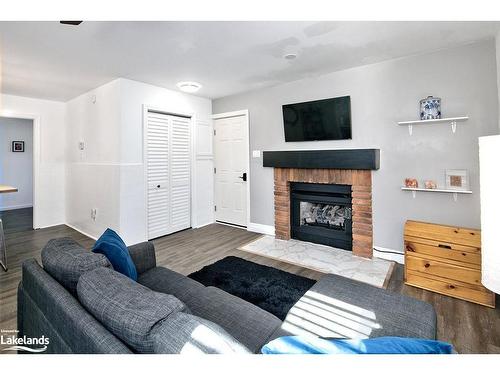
x=93, y=214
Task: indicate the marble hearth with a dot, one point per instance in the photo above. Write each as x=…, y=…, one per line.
x=323, y=258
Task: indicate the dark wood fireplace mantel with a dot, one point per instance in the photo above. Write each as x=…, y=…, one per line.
x=362, y=159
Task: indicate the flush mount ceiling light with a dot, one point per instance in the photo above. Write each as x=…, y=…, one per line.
x=72, y=23
x=189, y=86
x=290, y=56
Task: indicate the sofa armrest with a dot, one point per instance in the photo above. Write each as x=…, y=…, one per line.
x=143, y=255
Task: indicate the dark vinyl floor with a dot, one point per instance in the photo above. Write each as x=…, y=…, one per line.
x=17, y=220
x=471, y=328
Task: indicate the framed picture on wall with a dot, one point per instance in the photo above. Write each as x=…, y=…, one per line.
x=457, y=179
x=17, y=146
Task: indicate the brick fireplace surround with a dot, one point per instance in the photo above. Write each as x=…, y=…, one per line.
x=361, y=186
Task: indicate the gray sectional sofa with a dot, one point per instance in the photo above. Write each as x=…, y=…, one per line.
x=83, y=306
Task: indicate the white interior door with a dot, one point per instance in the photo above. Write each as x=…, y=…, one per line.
x=231, y=169
x=168, y=174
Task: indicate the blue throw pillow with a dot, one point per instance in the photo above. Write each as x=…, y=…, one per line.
x=379, y=345
x=112, y=246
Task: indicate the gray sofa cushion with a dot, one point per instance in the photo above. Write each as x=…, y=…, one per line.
x=143, y=255
x=66, y=260
x=340, y=307
x=246, y=322
x=183, y=333
x=45, y=307
x=167, y=281
x=128, y=309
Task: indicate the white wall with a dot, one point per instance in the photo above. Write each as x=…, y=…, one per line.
x=381, y=95
x=50, y=187
x=93, y=174
x=16, y=168
x=109, y=173
x=132, y=185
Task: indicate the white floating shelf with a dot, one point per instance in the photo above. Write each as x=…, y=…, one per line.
x=451, y=120
x=449, y=191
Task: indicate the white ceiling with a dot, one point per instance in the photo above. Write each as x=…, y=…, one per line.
x=53, y=61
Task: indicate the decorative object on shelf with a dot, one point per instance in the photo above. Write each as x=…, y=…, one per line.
x=429, y=184
x=457, y=179
x=411, y=183
x=17, y=146
x=430, y=108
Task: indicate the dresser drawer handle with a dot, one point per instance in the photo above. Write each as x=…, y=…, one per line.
x=452, y=286
x=427, y=265
x=444, y=246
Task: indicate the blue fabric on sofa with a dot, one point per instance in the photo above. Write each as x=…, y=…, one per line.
x=112, y=246
x=379, y=345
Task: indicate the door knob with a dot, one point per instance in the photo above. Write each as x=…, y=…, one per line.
x=244, y=177
x=158, y=186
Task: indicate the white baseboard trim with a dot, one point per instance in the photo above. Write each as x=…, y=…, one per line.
x=387, y=254
x=261, y=228
x=15, y=207
x=204, y=224
x=81, y=231
x=50, y=225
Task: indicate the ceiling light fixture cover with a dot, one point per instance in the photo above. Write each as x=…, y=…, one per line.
x=290, y=56
x=72, y=23
x=189, y=86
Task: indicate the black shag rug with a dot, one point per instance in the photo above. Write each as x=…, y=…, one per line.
x=271, y=289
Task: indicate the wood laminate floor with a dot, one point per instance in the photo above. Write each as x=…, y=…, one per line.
x=470, y=327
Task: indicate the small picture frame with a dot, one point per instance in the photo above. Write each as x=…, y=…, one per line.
x=457, y=179
x=17, y=146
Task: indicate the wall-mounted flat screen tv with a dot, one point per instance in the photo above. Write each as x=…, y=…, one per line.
x=319, y=120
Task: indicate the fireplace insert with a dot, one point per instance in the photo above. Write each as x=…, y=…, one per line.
x=322, y=213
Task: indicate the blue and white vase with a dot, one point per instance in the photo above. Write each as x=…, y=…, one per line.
x=430, y=108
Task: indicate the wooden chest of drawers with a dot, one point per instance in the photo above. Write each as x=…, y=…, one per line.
x=445, y=260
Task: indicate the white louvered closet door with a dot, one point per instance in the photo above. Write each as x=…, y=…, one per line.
x=180, y=176
x=168, y=174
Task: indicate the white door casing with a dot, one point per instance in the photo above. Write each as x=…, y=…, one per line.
x=168, y=172
x=36, y=159
x=231, y=150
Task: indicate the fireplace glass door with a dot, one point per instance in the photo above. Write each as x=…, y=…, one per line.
x=331, y=216
x=321, y=213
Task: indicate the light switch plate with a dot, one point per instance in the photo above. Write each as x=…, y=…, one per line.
x=256, y=153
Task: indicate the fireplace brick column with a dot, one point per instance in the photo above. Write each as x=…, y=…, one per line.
x=361, y=186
